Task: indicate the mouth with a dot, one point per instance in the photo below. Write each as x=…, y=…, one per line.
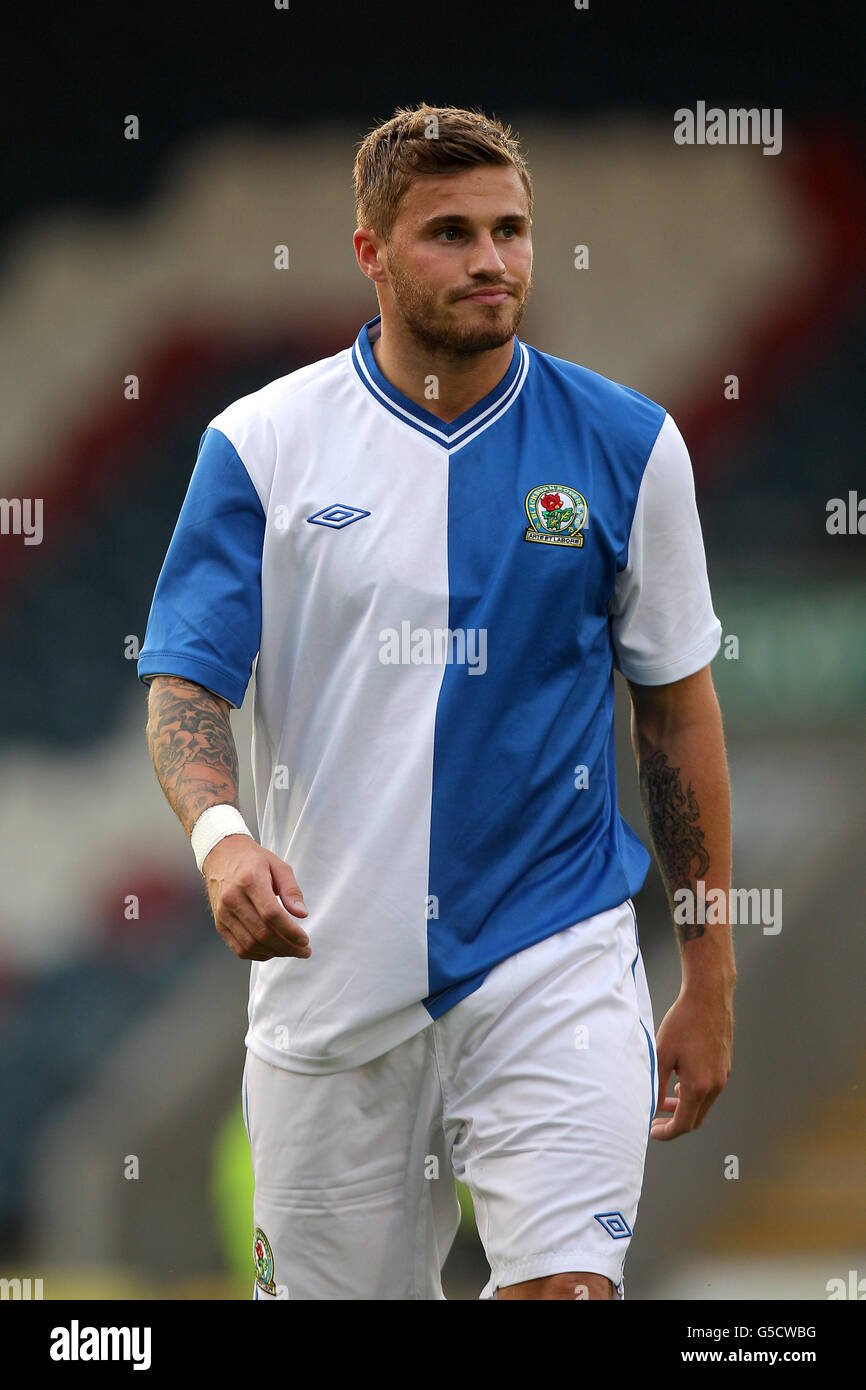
x=488, y=296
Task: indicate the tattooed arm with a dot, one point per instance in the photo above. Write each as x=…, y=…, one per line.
x=252, y=892
x=189, y=738
x=679, y=746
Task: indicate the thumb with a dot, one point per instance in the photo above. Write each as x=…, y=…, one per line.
x=286, y=887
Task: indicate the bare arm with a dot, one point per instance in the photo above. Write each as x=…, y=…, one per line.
x=679, y=746
x=253, y=894
x=189, y=738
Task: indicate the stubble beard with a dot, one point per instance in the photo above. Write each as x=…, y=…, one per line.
x=435, y=328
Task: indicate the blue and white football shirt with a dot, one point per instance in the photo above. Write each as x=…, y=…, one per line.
x=433, y=612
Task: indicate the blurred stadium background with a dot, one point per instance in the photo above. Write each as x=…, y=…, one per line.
x=122, y=1036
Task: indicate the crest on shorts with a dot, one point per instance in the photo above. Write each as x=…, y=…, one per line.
x=263, y=1258
x=557, y=515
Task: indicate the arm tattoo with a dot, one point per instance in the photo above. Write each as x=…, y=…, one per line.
x=189, y=737
x=673, y=817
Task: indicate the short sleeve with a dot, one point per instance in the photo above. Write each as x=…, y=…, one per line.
x=206, y=615
x=663, y=626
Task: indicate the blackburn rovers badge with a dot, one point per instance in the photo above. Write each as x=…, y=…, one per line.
x=263, y=1258
x=557, y=515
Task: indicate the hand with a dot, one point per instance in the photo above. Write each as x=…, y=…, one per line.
x=254, y=897
x=695, y=1041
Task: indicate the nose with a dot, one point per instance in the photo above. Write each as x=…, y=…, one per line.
x=485, y=259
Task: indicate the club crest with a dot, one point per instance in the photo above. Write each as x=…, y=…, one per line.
x=556, y=515
x=263, y=1258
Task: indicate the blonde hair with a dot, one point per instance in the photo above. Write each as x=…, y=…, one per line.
x=426, y=140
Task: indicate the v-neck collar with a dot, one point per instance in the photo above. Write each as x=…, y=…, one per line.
x=456, y=433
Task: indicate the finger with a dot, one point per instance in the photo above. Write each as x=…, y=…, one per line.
x=268, y=908
x=273, y=910
x=241, y=910
x=681, y=1122
x=266, y=945
x=286, y=887
x=685, y=1115
x=277, y=922
x=710, y=1100
x=664, y=1129
x=664, y=1078
x=238, y=939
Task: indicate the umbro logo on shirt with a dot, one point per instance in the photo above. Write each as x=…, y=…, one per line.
x=556, y=515
x=337, y=516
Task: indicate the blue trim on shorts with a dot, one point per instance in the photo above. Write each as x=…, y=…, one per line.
x=630, y=904
x=645, y=1029
x=652, y=1076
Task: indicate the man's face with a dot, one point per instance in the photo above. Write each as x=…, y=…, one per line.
x=460, y=235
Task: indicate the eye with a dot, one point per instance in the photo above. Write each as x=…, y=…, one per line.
x=443, y=230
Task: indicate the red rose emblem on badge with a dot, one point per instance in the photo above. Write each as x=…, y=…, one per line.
x=260, y=1250
x=556, y=511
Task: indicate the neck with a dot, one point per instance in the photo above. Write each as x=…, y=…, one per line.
x=461, y=379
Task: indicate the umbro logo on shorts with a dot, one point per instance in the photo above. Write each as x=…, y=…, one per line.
x=337, y=516
x=614, y=1223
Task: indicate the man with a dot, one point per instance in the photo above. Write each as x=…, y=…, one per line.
x=433, y=548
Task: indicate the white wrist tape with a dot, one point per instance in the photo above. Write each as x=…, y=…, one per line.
x=214, y=825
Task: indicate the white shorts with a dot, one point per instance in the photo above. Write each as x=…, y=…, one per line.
x=536, y=1091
